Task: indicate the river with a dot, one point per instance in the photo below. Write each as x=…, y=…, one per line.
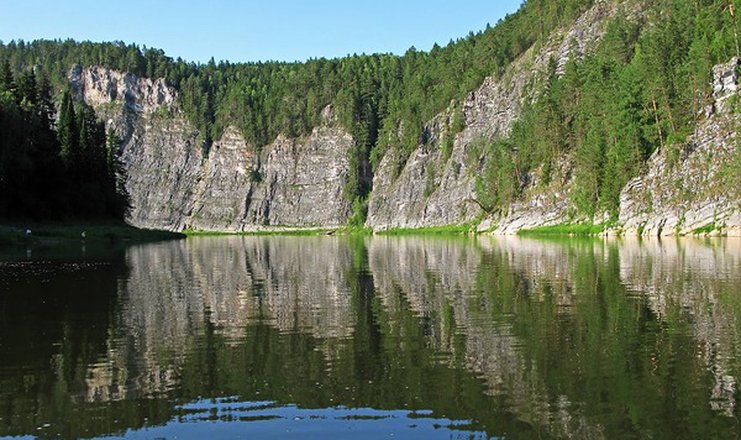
x=372, y=337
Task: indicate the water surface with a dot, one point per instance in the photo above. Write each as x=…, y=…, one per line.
x=372, y=337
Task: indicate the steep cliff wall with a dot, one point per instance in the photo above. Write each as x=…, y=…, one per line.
x=698, y=189
x=174, y=183
x=433, y=190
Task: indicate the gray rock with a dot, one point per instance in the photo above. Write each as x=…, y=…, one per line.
x=175, y=184
x=694, y=193
x=489, y=113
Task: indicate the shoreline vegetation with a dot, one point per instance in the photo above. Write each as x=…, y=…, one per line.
x=340, y=231
x=49, y=234
x=564, y=229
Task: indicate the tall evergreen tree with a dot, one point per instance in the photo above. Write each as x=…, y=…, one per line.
x=45, y=101
x=67, y=129
x=26, y=88
x=7, y=81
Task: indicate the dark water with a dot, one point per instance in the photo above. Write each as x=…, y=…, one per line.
x=373, y=338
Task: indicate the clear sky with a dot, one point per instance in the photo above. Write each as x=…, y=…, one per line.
x=254, y=30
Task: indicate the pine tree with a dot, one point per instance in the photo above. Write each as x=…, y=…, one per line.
x=45, y=102
x=67, y=129
x=26, y=88
x=7, y=82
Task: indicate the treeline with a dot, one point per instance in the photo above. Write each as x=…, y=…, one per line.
x=54, y=165
x=642, y=90
x=383, y=100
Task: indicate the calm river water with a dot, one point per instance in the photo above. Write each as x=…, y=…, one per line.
x=373, y=337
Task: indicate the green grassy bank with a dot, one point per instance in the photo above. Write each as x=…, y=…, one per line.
x=565, y=229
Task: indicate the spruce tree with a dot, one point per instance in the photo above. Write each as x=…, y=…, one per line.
x=26, y=88
x=7, y=82
x=67, y=129
x=113, y=143
x=45, y=102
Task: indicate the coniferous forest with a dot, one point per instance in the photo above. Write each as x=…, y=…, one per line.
x=641, y=89
x=54, y=169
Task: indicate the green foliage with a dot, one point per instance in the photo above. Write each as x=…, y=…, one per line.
x=49, y=173
x=292, y=232
x=255, y=176
x=704, y=230
x=457, y=123
x=641, y=90
x=455, y=126
x=359, y=213
x=565, y=229
x=375, y=97
x=499, y=183
x=432, y=230
x=641, y=228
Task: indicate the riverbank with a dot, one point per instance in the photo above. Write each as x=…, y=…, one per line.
x=564, y=229
x=29, y=233
x=282, y=231
x=288, y=231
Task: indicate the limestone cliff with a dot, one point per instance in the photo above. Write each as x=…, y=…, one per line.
x=174, y=183
x=488, y=113
x=695, y=190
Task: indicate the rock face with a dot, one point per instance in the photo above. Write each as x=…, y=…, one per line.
x=302, y=181
x=433, y=190
x=100, y=86
x=697, y=190
x=174, y=183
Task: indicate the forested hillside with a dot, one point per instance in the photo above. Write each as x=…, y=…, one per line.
x=643, y=89
x=370, y=93
x=640, y=90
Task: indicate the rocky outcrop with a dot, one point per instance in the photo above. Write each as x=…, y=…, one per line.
x=434, y=190
x=294, y=183
x=220, y=199
x=99, y=86
x=301, y=182
x=540, y=205
x=697, y=190
x=176, y=183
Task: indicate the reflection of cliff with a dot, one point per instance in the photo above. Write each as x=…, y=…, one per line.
x=685, y=288
x=177, y=291
x=693, y=281
x=541, y=318
x=442, y=282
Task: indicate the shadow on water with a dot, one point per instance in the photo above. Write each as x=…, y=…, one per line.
x=421, y=337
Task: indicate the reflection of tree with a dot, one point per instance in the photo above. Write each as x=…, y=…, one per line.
x=54, y=315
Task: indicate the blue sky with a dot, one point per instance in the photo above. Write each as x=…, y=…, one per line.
x=253, y=30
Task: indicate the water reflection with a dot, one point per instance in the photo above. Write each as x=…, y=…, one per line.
x=509, y=337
